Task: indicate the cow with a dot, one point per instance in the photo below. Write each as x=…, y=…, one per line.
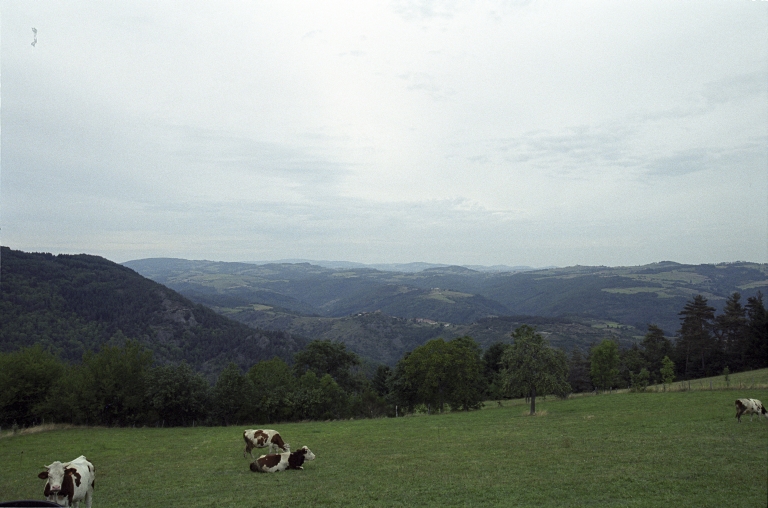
x=263, y=438
x=750, y=407
x=282, y=461
x=69, y=483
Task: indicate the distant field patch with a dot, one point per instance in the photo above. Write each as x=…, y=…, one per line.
x=258, y=307
x=345, y=275
x=634, y=291
x=447, y=296
x=606, y=324
x=672, y=276
x=752, y=285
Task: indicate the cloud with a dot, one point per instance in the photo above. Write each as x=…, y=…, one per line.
x=447, y=131
x=426, y=9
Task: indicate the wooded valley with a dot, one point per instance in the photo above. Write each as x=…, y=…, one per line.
x=85, y=340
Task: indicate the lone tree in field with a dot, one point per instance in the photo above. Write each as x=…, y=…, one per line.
x=531, y=367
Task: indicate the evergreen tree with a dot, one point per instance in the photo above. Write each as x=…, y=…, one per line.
x=381, y=380
x=757, y=333
x=578, y=372
x=655, y=346
x=696, y=347
x=731, y=329
x=493, y=370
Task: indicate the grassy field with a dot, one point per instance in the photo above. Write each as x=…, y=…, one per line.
x=627, y=449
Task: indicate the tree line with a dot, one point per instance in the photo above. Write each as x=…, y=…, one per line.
x=121, y=385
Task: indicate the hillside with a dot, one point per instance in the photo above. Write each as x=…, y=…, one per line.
x=629, y=296
x=382, y=314
x=385, y=339
x=72, y=304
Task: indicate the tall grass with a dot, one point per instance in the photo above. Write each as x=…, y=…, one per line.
x=634, y=449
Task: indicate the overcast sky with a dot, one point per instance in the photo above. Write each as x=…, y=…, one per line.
x=509, y=132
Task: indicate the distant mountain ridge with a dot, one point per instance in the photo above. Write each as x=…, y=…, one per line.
x=211, y=313
x=395, y=267
x=367, y=308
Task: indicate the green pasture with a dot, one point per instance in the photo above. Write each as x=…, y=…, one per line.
x=675, y=448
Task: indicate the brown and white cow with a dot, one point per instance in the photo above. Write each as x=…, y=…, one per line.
x=263, y=438
x=281, y=461
x=69, y=483
x=750, y=407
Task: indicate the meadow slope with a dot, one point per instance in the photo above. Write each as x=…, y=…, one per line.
x=647, y=449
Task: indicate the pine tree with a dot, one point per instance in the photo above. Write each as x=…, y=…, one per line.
x=655, y=346
x=578, y=372
x=696, y=346
x=757, y=333
x=731, y=330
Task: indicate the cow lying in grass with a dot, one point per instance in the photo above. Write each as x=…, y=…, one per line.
x=263, y=438
x=750, y=407
x=282, y=461
x=69, y=483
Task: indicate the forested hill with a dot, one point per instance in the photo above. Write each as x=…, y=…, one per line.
x=71, y=304
x=624, y=296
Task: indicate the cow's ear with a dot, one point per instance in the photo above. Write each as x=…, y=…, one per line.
x=70, y=470
x=43, y=475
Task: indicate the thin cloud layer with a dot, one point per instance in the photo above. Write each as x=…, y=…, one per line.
x=519, y=133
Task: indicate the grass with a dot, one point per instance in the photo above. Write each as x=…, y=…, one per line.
x=629, y=449
x=750, y=380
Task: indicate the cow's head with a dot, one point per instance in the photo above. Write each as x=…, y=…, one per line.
x=60, y=479
x=308, y=455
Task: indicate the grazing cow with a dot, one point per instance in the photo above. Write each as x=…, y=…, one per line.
x=750, y=407
x=282, y=461
x=263, y=438
x=69, y=483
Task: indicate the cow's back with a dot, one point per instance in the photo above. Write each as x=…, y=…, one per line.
x=271, y=463
x=84, y=491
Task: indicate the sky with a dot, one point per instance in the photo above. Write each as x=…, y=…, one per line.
x=533, y=133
